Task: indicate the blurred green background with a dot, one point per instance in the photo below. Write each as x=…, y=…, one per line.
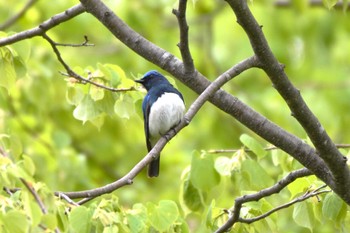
x=313, y=43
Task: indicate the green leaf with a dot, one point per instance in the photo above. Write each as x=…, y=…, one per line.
x=253, y=144
x=113, y=73
x=110, y=229
x=96, y=93
x=50, y=221
x=255, y=176
x=300, y=185
x=124, y=107
x=74, y=95
x=332, y=205
x=223, y=165
x=137, y=218
x=28, y=165
x=302, y=215
x=191, y=196
x=86, y=110
x=209, y=218
x=203, y=174
x=7, y=69
x=16, y=222
x=80, y=219
x=162, y=216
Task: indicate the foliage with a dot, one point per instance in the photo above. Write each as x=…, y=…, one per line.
x=58, y=134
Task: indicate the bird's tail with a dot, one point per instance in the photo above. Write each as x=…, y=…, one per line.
x=153, y=168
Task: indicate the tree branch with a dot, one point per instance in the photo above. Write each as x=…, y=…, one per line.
x=71, y=73
x=45, y=26
x=318, y=135
x=193, y=109
x=307, y=195
x=35, y=195
x=198, y=83
x=183, y=45
x=235, y=211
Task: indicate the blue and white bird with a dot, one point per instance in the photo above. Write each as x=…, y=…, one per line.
x=163, y=108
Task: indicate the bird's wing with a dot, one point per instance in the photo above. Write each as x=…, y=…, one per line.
x=146, y=106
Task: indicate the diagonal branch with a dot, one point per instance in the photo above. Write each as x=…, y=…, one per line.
x=193, y=109
x=180, y=14
x=318, y=135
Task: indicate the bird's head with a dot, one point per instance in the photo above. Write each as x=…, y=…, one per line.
x=152, y=78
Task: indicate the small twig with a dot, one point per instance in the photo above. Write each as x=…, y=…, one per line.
x=71, y=73
x=67, y=199
x=307, y=195
x=84, y=44
x=10, y=191
x=276, y=188
x=180, y=14
x=15, y=17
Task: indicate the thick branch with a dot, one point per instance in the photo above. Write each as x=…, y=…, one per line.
x=198, y=83
x=318, y=135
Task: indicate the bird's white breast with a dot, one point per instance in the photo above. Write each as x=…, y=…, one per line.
x=165, y=113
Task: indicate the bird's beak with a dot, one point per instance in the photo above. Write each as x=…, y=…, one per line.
x=139, y=81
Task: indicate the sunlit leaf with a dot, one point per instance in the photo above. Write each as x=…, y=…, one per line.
x=74, y=95
x=86, y=110
x=7, y=69
x=163, y=215
x=50, y=221
x=300, y=185
x=96, y=93
x=137, y=218
x=80, y=219
x=223, y=165
x=124, y=107
x=16, y=222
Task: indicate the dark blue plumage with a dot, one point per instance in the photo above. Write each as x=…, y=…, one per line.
x=163, y=108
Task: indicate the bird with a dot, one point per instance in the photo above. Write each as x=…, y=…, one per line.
x=163, y=108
